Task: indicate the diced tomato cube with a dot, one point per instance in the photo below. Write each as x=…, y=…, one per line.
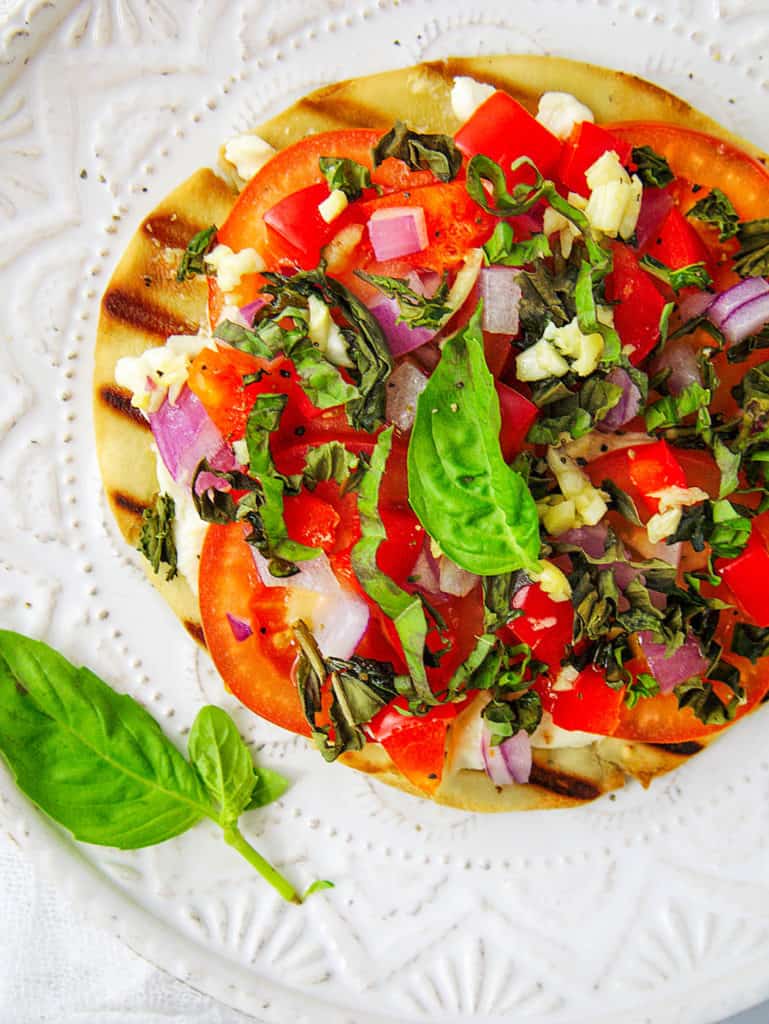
x=297, y=220
x=586, y=144
x=310, y=520
x=416, y=745
x=747, y=576
x=504, y=130
x=638, y=303
x=675, y=242
x=590, y=706
x=547, y=626
x=652, y=468
x=518, y=414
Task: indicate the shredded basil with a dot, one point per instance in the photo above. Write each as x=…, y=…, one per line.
x=695, y=275
x=501, y=249
x=193, y=258
x=506, y=718
x=670, y=410
x=438, y=153
x=415, y=310
x=156, y=540
x=652, y=168
x=750, y=641
x=752, y=259
x=716, y=208
x=345, y=175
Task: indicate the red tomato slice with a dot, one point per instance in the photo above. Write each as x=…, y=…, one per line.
x=676, y=242
x=297, y=221
x=747, y=576
x=518, y=414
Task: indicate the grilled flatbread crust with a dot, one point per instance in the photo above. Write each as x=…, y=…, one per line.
x=144, y=304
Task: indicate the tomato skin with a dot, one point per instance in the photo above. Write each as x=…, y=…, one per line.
x=652, y=468
x=639, y=303
x=547, y=626
x=503, y=129
x=310, y=520
x=585, y=145
x=589, y=706
x=747, y=576
x=676, y=243
x=518, y=414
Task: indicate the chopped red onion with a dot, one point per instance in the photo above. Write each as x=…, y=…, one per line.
x=508, y=762
x=680, y=357
x=501, y=296
x=655, y=204
x=185, y=434
x=694, y=305
x=728, y=302
x=454, y=580
x=404, y=387
x=427, y=569
x=399, y=336
x=241, y=630
x=210, y=482
x=249, y=311
x=397, y=231
x=339, y=616
x=670, y=670
x=627, y=407
x=591, y=539
x=424, y=282
x=747, y=319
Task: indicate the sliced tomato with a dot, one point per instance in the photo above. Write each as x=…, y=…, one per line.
x=416, y=745
x=638, y=303
x=503, y=129
x=302, y=230
x=547, y=626
x=704, y=160
x=585, y=145
x=589, y=706
x=311, y=521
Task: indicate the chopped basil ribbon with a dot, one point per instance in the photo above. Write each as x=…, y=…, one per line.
x=193, y=258
x=156, y=540
x=652, y=168
x=345, y=175
x=477, y=509
x=750, y=641
x=752, y=260
x=695, y=275
x=483, y=168
x=438, y=153
x=502, y=250
x=415, y=309
x=716, y=208
x=670, y=410
x=405, y=610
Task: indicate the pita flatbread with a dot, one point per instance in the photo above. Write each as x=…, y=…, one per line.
x=144, y=303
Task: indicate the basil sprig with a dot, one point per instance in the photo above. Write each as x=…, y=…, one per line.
x=98, y=764
x=469, y=500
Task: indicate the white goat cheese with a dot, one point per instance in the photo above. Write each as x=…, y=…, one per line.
x=559, y=112
x=248, y=153
x=467, y=95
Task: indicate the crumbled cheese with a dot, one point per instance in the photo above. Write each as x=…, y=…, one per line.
x=560, y=112
x=467, y=95
x=338, y=251
x=189, y=530
x=553, y=582
x=240, y=448
x=248, y=153
x=159, y=371
x=672, y=499
x=333, y=205
x=232, y=313
x=565, y=679
x=585, y=350
x=231, y=266
x=325, y=333
x=580, y=504
x=615, y=197
x=567, y=230
x=540, y=361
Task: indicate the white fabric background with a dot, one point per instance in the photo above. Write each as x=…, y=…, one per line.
x=55, y=967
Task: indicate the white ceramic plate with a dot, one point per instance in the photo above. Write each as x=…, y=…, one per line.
x=653, y=906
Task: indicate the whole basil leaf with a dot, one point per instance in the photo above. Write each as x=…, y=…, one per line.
x=92, y=759
x=222, y=761
x=469, y=500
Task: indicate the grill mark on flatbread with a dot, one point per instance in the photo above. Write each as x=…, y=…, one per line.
x=196, y=632
x=126, y=502
x=564, y=784
x=143, y=315
x=170, y=230
x=119, y=400
x=686, y=749
x=342, y=112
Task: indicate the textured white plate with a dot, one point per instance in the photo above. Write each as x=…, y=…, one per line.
x=650, y=907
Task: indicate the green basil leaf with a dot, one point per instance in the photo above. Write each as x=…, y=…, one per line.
x=652, y=168
x=345, y=175
x=223, y=762
x=404, y=609
x=471, y=503
x=716, y=208
x=156, y=539
x=670, y=410
x=588, y=279
x=269, y=786
x=193, y=258
x=750, y=641
x=322, y=382
x=92, y=759
x=642, y=687
x=705, y=703
x=502, y=250
x=246, y=340
x=729, y=531
x=752, y=259
x=506, y=718
x=695, y=275
x=415, y=310
x=328, y=461
x=419, y=151
x=728, y=463
x=622, y=501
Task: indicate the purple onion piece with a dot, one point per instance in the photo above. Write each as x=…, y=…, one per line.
x=685, y=663
x=241, y=630
x=404, y=387
x=747, y=319
x=400, y=337
x=694, y=305
x=185, y=434
x=210, y=482
x=249, y=311
x=591, y=539
x=454, y=580
x=655, y=204
x=501, y=296
x=508, y=762
x=723, y=305
x=627, y=407
x=427, y=570
x=680, y=357
x=424, y=282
